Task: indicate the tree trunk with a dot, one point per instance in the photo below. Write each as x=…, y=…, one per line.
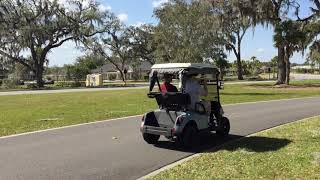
x=287, y=62
x=288, y=73
x=239, y=64
x=123, y=77
x=239, y=69
x=39, y=75
x=281, y=66
x=221, y=73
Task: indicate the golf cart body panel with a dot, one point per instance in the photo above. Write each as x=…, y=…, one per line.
x=172, y=123
x=174, y=118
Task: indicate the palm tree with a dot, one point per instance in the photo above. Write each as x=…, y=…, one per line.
x=233, y=25
x=275, y=13
x=290, y=36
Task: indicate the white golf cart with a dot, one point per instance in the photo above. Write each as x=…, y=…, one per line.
x=175, y=119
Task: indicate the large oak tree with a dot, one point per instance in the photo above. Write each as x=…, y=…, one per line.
x=35, y=27
x=187, y=32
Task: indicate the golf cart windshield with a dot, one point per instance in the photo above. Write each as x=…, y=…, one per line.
x=182, y=71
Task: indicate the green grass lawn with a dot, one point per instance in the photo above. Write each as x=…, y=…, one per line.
x=291, y=151
x=25, y=113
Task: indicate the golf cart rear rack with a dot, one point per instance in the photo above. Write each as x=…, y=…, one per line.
x=157, y=130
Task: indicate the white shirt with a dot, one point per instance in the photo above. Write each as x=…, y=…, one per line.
x=195, y=90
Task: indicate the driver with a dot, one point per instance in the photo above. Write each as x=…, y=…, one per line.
x=166, y=86
x=194, y=88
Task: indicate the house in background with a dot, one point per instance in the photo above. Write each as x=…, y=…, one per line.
x=134, y=72
x=306, y=68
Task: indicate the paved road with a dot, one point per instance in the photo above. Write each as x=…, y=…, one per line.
x=140, y=86
x=116, y=150
x=304, y=76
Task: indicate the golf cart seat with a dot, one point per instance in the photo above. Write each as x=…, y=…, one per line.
x=173, y=101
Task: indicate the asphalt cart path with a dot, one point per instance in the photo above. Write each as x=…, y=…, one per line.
x=116, y=150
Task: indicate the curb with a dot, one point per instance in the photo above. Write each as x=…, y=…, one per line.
x=176, y=163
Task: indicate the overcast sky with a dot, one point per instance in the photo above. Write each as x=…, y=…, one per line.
x=257, y=42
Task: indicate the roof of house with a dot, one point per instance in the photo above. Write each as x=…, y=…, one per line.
x=144, y=66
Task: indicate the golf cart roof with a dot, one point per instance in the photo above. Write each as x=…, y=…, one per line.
x=186, y=68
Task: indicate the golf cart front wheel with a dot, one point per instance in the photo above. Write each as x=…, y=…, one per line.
x=224, y=128
x=151, y=138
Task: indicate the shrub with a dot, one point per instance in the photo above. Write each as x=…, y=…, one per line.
x=10, y=83
x=112, y=77
x=31, y=86
x=69, y=84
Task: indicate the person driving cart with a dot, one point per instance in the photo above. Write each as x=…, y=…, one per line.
x=166, y=86
x=194, y=88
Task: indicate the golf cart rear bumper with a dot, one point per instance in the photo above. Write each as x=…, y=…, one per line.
x=157, y=130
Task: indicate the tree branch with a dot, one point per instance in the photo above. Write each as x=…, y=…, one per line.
x=15, y=59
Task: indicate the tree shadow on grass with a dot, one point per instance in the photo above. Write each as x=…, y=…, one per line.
x=211, y=142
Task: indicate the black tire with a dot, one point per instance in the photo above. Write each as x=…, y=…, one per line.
x=189, y=137
x=224, y=128
x=151, y=138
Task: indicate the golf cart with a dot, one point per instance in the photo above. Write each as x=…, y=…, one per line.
x=175, y=119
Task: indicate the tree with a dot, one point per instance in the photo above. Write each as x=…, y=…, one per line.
x=82, y=67
x=37, y=27
x=21, y=72
x=6, y=66
x=291, y=37
x=90, y=61
x=271, y=12
x=222, y=64
x=55, y=71
x=275, y=12
x=114, y=46
x=234, y=26
x=255, y=65
x=187, y=32
x=273, y=63
x=314, y=54
x=142, y=42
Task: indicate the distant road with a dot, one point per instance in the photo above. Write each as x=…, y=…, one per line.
x=141, y=86
x=116, y=150
x=304, y=76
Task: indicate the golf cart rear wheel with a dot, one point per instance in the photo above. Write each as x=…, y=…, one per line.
x=189, y=136
x=151, y=138
x=224, y=128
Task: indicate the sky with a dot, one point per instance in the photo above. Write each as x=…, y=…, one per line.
x=257, y=42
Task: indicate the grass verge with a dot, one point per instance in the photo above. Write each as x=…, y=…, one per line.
x=25, y=113
x=290, y=151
